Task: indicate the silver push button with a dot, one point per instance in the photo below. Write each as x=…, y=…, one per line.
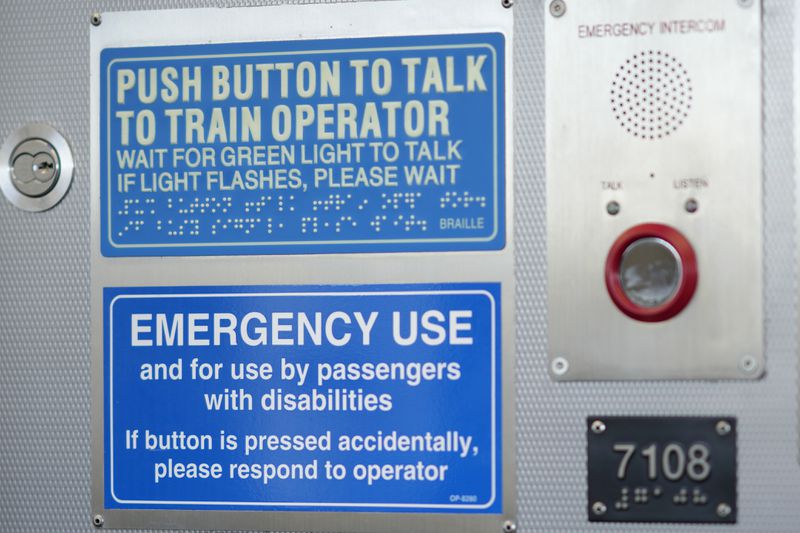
x=650, y=272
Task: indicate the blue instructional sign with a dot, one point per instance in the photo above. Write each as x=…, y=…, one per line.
x=327, y=398
x=393, y=144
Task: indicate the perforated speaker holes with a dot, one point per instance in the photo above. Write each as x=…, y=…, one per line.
x=651, y=95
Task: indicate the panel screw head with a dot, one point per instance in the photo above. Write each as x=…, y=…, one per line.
x=507, y=3
x=745, y=3
x=724, y=510
x=748, y=364
x=558, y=8
x=560, y=366
x=691, y=205
x=96, y=19
x=613, y=208
x=509, y=527
x=599, y=508
x=598, y=427
x=98, y=520
x=723, y=428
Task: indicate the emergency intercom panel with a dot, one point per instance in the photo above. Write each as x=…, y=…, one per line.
x=654, y=189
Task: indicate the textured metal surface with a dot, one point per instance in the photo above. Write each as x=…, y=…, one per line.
x=44, y=304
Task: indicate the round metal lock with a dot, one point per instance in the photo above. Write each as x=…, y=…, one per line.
x=651, y=272
x=36, y=167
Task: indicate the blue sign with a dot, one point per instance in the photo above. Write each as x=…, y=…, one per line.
x=391, y=144
x=322, y=398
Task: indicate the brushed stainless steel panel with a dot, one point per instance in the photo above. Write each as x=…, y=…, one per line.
x=655, y=106
x=340, y=20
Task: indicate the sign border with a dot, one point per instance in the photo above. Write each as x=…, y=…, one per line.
x=213, y=292
x=495, y=241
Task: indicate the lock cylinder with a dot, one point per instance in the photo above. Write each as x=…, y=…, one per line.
x=36, y=167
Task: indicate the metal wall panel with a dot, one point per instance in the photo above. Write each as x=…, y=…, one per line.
x=44, y=302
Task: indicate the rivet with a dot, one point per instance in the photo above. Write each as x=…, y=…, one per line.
x=96, y=19
x=723, y=428
x=599, y=508
x=724, y=510
x=98, y=520
x=598, y=427
x=613, y=208
x=507, y=3
x=691, y=205
x=558, y=8
x=560, y=366
x=509, y=526
x=748, y=364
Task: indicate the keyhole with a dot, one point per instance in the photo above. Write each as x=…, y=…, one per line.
x=39, y=167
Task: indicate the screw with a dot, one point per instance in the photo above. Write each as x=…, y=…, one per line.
x=507, y=3
x=96, y=19
x=560, y=366
x=691, y=205
x=509, y=526
x=613, y=208
x=599, y=508
x=724, y=510
x=98, y=520
x=598, y=427
x=723, y=428
x=748, y=364
x=744, y=3
x=558, y=8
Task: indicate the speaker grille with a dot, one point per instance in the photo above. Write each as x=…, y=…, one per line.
x=651, y=94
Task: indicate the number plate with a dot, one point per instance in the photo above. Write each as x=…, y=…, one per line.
x=662, y=469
